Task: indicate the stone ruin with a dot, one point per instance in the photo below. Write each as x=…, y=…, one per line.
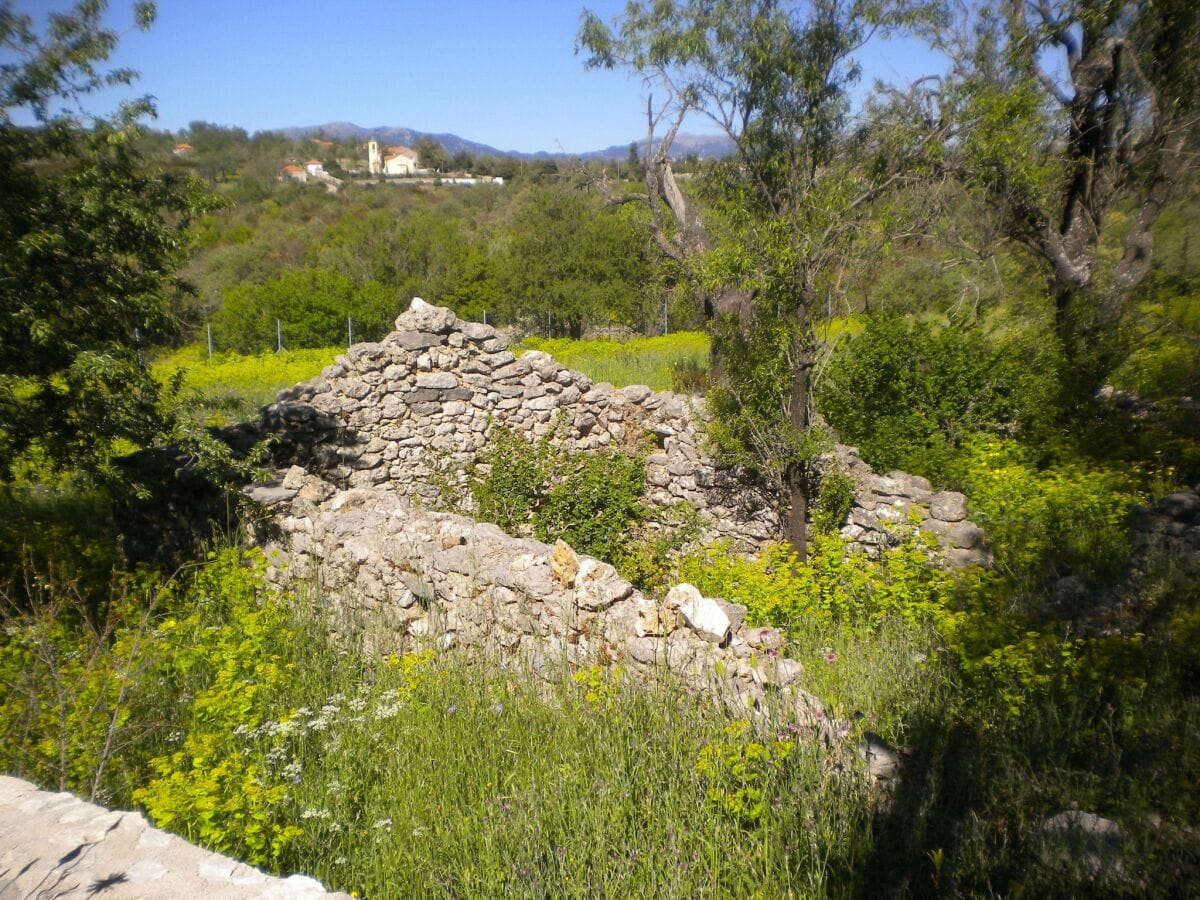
x=413, y=414
x=364, y=451
x=405, y=577
x=368, y=447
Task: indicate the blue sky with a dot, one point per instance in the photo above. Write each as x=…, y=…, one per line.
x=501, y=73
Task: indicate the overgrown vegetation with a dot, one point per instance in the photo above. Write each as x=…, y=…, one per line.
x=966, y=346
x=593, y=501
x=420, y=773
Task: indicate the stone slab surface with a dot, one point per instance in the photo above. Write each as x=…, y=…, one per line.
x=56, y=845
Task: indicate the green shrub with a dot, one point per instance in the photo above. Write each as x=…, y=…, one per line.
x=77, y=685
x=834, y=498
x=1042, y=521
x=909, y=395
x=311, y=304
x=1165, y=367
x=232, y=654
x=647, y=551
x=834, y=585
x=689, y=376
x=594, y=503
x=742, y=775
x=510, y=483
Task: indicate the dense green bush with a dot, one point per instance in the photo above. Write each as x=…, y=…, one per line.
x=590, y=500
x=908, y=395
x=593, y=504
x=511, y=480
x=228, y=657
x=1042, y=521
x=311, y=305
x=568, y=265
x=831, y=586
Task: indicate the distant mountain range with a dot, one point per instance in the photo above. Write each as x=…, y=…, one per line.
x=703, y=146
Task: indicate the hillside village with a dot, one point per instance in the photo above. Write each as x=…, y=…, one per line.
x=393, y=163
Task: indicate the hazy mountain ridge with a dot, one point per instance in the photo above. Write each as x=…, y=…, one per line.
x=704, y=146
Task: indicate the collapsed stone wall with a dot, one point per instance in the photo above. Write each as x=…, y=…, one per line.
x=413, y=578
x=416, y=410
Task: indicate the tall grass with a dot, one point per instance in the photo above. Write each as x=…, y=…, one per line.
x=232, y=387
x=651, y=361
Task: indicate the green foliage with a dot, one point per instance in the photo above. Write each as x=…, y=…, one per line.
x=689, y=376
x=71, y=677
x=93, y=235
x=1040, y=520
x=1163, y=368
x=232, y=655
x=593, y=504
x=1002, y=148
x=63, y=531
x=593, y=501
x=752, y=426
x=312, y=306
x=834, y=499
x=647, y=552
x=831, y=586
x=742, y=775
x=568, y=268
x=429, y=253
x=908, y=395
x=510, y=481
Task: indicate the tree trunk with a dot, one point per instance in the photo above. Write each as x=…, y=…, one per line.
x=796, y=476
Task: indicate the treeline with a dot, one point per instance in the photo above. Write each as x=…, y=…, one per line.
x=540, y=253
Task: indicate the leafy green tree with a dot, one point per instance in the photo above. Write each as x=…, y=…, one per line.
x=426, y=253
x=93, y=234
x=568, y=267
x=1062, y=114
x=774, y=76
x=431, y=154
x=908, y=395
x=311, y=305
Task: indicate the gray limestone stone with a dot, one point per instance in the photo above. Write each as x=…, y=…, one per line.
x=57, y=844
x=416, y=340
x=437, y=380
x=949, y=506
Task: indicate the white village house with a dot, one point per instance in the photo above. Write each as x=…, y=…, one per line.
x=394, y=161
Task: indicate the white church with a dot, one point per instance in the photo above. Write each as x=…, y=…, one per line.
x=393, y=161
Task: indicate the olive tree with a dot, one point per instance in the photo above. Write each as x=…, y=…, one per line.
x=1069, y=117
x=795, y=197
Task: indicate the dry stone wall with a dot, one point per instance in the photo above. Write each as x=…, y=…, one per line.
x=413, y=578
x=415, y=411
